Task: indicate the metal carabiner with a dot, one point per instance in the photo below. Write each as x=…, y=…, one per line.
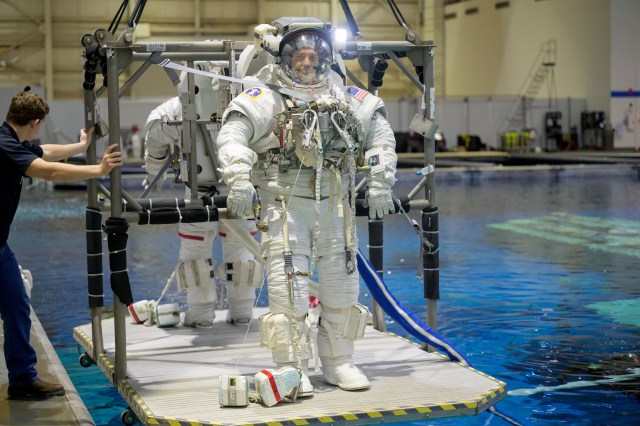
x=342, y=131
x=310, y=124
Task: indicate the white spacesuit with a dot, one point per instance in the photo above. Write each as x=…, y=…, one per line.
x=196, y=273
x=302, y=153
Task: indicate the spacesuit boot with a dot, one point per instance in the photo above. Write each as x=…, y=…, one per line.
x=200, y=315
x=240, y=311
x=336, y=352
x=344, y=374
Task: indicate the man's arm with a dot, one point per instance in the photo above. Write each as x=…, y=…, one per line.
x=61, y=172
x=56, y=152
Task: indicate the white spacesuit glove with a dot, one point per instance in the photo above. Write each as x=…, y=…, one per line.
x=240, y=199
x=380, y=202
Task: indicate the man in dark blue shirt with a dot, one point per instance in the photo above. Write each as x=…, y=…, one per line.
x=19, y=158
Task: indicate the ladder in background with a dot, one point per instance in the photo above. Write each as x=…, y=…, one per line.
x=541, y=71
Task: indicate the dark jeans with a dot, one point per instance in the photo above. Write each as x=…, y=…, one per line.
x=14, y=311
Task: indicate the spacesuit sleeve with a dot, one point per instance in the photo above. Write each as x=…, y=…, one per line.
x=159, y=135
x=236, y=158
x=159, y=138
x=381, y=141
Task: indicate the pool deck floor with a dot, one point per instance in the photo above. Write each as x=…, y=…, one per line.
x=60, y=410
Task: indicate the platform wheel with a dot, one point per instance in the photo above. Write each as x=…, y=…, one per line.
x=85, y=360
x=128, y=417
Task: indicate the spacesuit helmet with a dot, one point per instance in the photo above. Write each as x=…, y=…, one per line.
x=306, y=54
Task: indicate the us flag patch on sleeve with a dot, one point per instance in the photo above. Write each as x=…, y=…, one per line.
x=358, y=93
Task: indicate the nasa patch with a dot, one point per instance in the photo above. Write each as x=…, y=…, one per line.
x=254, y=93
x=375, y=159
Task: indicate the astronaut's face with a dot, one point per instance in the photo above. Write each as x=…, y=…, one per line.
x=305, y=64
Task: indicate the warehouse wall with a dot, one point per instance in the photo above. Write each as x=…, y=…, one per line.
x=625, y=73
x=491, y=52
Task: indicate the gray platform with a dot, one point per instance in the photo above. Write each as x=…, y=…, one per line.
x=173, y=379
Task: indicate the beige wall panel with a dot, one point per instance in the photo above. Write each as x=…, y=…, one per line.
x=167, y=20
x=80, y=9
x=11, y=8
x=491, y=52
x=318, y=10
x=236, y=11
x=154, y=83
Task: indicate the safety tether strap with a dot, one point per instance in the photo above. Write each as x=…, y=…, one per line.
x=289, y=271
x=166, y=63
x=316, y=223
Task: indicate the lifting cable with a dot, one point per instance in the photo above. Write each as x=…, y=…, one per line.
x=396, y=12
x=137, y=13
x=116, y=19
x=353, y=26
x=403, y=23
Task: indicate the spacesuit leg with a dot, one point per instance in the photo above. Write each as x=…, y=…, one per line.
x=288, y=318
x=241, y=272
x=338, y=300
x=195, y=272
x=279, y=285
x=342, y=319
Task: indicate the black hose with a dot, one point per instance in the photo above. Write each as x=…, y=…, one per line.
x=90, y=68
x=379, y=68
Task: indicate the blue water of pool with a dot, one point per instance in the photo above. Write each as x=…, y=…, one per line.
x=552, y=318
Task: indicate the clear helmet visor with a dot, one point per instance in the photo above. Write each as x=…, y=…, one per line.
x=306, y=57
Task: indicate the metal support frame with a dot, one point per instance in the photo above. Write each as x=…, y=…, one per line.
x=121, y=53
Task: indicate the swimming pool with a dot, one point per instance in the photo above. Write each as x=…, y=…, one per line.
x=538, y=287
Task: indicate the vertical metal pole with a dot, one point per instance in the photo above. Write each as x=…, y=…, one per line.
x=189, y=146
x=431, y=277
x=197, y=18
x=48, y=51
x=92, y=202
x=119, y=310
x=376, y=235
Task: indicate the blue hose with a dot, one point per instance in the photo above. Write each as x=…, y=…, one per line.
x=401, y=315
x=409, y=321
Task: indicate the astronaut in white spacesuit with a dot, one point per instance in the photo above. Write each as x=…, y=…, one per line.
x=196, y=273
x=301, y=150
